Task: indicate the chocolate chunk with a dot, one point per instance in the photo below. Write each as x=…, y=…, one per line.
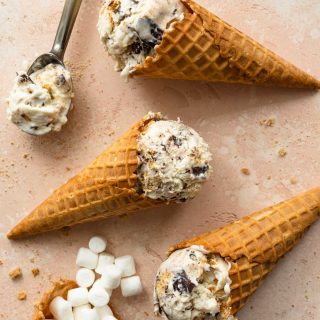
x=200, y=170
x=182, y=283
x=176, y=141
x=24, y=78
x=156, y=32
x=136, y=47
x=61, y=80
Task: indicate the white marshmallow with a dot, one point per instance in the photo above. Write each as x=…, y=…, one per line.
x=104, y=312
x=127, y=265
x=87, y=259
x=131, y=286
x=111, y=277
x=98, y=296
x=97, y=244
x=78, y=296
x=61, y=309
x=88, y=314
x=85, y=277
x=104, y=261
x=102, y=284
x=77, y=311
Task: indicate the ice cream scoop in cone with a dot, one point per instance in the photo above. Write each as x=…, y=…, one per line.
x=136, y=172
x=194, y=44
x=249, y=249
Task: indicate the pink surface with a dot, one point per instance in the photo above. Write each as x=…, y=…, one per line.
x=227, y=116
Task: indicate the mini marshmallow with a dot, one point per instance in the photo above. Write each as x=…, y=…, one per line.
x=88, y=314
x=104, y=261
x=85, y=277
x=104, y=312
x=78, y=296
x=112, y=276
x=87, y=259
x=61, y=309
x=131, y=286
x=98, y=296
x=77, y=311
x=102, y=284
x=97, y=244
x=127, y=265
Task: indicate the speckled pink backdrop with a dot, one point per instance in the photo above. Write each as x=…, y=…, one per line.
x=227, y=116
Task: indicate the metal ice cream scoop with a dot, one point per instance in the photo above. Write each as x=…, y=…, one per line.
x=69, y=15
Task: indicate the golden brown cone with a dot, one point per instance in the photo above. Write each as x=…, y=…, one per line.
x=255, y=243
x=60, y=289
x=105, y=188
x=204, y=47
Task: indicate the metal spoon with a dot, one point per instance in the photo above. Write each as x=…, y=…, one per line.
x=69, y=15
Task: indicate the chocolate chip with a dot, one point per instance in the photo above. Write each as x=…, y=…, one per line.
x=136, y=47
x=182, y=283
x=176, y=141
x=156, y=32
x=200, y=170
x=24, y=78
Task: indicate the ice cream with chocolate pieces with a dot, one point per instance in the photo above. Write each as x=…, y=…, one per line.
x=130, y=29
x=174, y=161
x=39, y=103
x=193, y=285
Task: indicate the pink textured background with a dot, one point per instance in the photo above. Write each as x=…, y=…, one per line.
x=227, y=116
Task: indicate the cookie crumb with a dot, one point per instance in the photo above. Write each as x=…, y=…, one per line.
x=245, y=171
x=68, y=168
x=22, y=295
x=282, y=152
x=293, y=180
x=269, y=178
x=111, y=133
x=15, y=273
x=35, y=272
x=1, y=262
x=268, y=122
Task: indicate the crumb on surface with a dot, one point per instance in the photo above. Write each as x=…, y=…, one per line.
x=15, y=273
x=22, y=295
x=293, y=180
x=1, y=262
x=282, y=152
x=245, y=171
x=35, y=271
x=269, y=122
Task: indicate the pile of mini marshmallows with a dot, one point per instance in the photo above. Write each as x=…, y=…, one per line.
x=99, y=274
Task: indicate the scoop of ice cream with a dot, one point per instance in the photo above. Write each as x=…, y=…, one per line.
x=193, y=284
x=130, y=29
x=39, y=103
x=173, y=161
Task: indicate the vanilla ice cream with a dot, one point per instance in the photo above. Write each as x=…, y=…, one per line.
x=39, y=103
x=193, y=284
x=130, y=29
x=174, y=161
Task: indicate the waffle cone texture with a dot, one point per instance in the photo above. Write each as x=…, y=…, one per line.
x=204, y=47
x=59, y=289
x=105, y=188
x=253, y=245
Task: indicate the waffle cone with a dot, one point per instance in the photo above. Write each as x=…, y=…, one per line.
x=105, y=188
x=60, y=289
x=204, y=47
x=255, y=243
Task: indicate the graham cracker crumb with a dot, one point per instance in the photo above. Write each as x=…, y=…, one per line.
x=245, y=171
x=269, y=177
x=68, y=168
x=15, y=273
x=35, y=272
x=111, y=133
x=1, y=262
x=282, y=152
x=293, y=180
x=268, y=122
x=22, y=295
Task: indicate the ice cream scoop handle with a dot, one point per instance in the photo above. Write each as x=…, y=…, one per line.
x=69, y=15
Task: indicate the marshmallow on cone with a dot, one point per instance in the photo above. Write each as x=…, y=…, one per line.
x=105, y=188
x=204, y=47
x=253, y=245
x=60, y=289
